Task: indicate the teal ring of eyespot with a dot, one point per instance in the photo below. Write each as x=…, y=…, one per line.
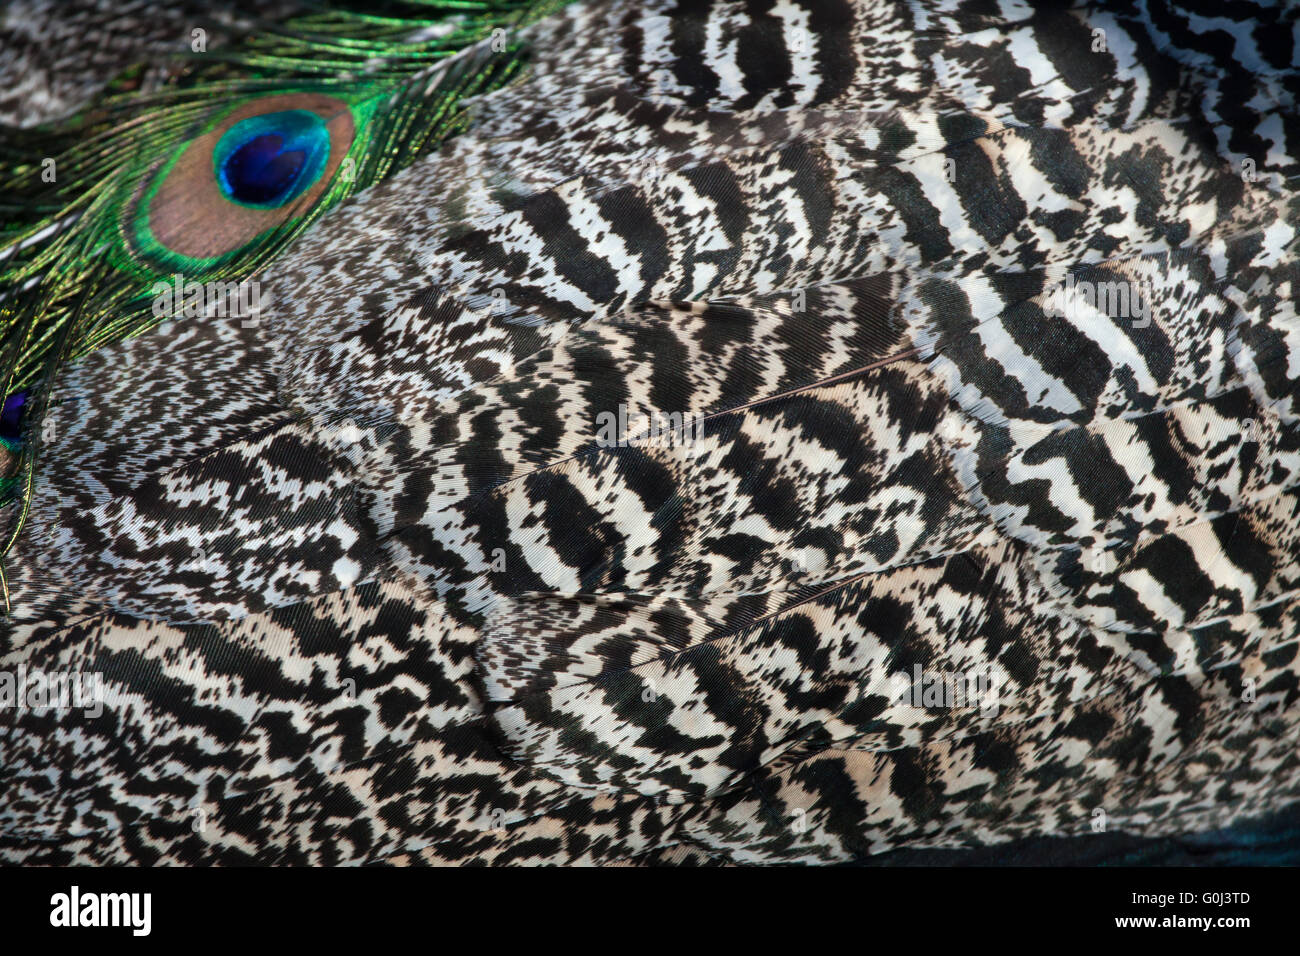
x=266, y=161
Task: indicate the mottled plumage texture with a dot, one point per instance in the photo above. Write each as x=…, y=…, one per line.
x=366, y=583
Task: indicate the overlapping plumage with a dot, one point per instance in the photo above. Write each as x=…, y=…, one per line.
x=368, y=581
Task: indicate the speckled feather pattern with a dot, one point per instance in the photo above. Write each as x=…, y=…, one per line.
x=366, y=586
x=56, y=54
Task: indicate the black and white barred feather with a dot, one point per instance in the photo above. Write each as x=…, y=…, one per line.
x=367, y=584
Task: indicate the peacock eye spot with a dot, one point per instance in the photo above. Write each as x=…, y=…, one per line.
x=265, y=161
x=262, y=170
x=244, y=173
x=11, y=416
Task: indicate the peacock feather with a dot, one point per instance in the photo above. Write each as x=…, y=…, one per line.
x=803, y=431
x=129, y=213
